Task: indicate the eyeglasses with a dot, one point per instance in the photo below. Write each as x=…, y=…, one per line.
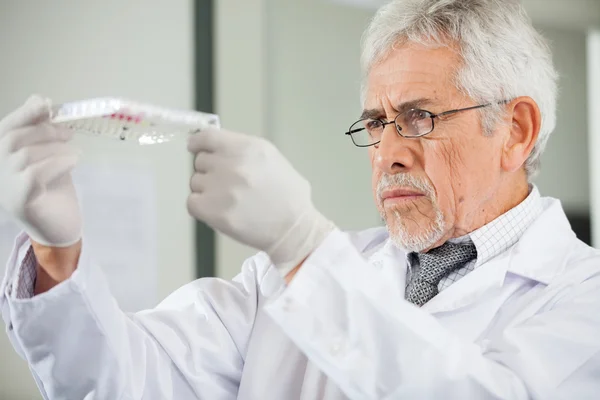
x=413, y=123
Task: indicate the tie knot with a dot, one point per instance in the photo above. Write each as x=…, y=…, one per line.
x=441, y=261
x=435, y=265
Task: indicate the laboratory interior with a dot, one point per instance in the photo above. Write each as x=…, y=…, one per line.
x=285, y=70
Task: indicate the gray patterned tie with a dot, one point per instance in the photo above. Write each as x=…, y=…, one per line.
x=435, y=265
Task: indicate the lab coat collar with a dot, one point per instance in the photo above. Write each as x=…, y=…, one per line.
x=539, y=255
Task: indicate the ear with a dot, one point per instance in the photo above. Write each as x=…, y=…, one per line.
x=525, y=121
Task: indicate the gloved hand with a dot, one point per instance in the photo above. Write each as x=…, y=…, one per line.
x=35, y=182
x=245, y=188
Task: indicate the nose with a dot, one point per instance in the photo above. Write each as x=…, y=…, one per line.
x=394, y=153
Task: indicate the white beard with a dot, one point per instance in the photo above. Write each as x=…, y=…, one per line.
x=425, y=238
x=417, y=242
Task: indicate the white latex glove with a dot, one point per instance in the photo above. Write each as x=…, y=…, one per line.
x=35, y=182
x=245, y=188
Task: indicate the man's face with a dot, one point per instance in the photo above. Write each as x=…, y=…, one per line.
x=442, y=185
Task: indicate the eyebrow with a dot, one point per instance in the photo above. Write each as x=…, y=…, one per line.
x=376, y=113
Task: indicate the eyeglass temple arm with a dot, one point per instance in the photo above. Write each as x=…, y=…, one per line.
x=449, y=112
x=467, y=109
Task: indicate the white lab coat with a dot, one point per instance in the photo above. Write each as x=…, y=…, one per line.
x=524, y=325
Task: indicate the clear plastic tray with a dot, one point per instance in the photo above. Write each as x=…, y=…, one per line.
x=130, y=121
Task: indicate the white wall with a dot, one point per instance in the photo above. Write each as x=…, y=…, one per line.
x=137, y=49
x=593, y=67
x=314, y=51
x=565, y=163
x=241, y=83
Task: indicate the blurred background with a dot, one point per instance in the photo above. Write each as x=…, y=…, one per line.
x=284, y=69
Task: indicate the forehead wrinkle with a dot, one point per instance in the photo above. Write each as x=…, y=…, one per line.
x=375, y=113
x=398, y=95
x=406, y=74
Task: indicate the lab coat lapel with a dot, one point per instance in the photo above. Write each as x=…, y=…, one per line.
x=542, y=251
x=538, y=255
x=471, y=287
x=390, y=261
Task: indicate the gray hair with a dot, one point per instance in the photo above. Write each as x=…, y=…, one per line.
x=502, y=55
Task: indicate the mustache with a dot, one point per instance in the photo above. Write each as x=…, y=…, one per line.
x=404, y=180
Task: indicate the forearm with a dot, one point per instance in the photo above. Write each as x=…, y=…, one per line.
x=54, y=264
x=76, y=339
x=79, y=343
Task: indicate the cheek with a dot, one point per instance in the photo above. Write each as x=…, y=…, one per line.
x=375, y=175
x=443, y=162
x=459, y=172
x=440, y=161
x=372, y=156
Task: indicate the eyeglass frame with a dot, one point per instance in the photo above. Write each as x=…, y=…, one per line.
x=399, y=128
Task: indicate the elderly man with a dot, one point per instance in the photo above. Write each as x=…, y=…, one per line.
x=477, y=288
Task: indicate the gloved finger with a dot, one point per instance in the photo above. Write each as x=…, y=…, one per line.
x=196, y=206
x=209, y=207
x=34, y=134
x=30, y=155
x=50, y=169
x=198, y=182
x=216, y=140
x=204, y=141
x=206, y=162
x=35, y=110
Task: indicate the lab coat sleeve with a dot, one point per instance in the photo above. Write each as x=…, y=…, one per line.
x=80, y=345
x=375, y=345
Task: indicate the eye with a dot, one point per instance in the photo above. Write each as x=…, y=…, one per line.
x=373, y=124
x=417, y=122
x=417, y=115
